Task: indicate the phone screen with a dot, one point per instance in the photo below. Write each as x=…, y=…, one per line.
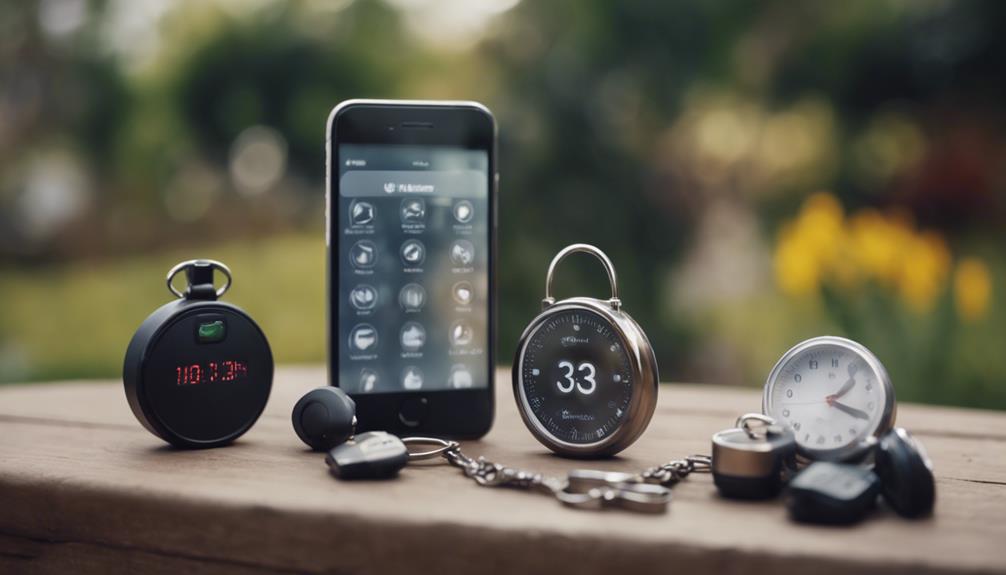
x=413, y=280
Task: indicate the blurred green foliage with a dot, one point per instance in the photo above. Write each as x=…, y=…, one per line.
x=680, y=137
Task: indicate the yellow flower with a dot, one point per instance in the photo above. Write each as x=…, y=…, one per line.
x=809, y=246
x=972, y=288
x=876, y=244
x=822, y=227
x=796, y=268
x=924, y=263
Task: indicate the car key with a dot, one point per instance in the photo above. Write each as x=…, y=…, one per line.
x=832, y=493
x=906, y=474
x=370, y=455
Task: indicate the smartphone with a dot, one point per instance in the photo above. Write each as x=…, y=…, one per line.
x=411, y=233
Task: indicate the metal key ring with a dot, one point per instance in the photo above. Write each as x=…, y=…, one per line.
x=443, y=445
x=744, y=422
x=191, y=263
x=587, y=249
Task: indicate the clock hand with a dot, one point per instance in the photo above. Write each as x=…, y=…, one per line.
x=853, y=368
x=842, y=390
x=857, y=413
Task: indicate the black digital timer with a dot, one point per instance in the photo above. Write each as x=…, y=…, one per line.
x=198, y=371
x=585, y=377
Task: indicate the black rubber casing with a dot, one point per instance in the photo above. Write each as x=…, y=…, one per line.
x=324, y=418
x=906, y=474
x=196, y=416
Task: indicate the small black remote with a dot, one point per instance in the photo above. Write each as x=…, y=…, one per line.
x=370, y=455
x=832, y=493
x=906, y=474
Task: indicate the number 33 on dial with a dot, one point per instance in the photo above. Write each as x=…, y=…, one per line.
x=586, y=369
x=834, y=393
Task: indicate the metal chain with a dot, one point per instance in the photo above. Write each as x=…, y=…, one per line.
x=489, y=474
x=673, y=471
x=646, y=492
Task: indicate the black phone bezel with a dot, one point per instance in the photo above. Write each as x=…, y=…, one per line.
x=454, y=413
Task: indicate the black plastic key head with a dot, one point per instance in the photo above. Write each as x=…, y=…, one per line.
x=370, y=455
x=832, y=493
x=906, y=474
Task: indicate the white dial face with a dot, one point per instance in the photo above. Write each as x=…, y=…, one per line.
x=829, y=395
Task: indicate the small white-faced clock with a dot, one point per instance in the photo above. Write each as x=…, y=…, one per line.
x=585, y=377
x=833, y=393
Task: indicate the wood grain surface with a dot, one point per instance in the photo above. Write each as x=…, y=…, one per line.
x=85, y=489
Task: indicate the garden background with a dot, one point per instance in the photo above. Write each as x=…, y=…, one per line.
x=759, y=172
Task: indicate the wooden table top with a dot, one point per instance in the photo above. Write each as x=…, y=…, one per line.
x=84, y=488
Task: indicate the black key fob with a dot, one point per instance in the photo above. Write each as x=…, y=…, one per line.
x=832, y=493
x=749, y=462
x=370, y=455
x=906, y=474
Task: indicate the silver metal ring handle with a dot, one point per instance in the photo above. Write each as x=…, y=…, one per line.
x=442, y=445
x=587, y=249
x=211, y=263
x=744, y=422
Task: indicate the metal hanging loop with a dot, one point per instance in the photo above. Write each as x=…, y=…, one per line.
x=440, y=447
x=754, y=431
x=587, y=249
x=195, y=266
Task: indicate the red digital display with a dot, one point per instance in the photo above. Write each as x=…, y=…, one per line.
x=211, y=372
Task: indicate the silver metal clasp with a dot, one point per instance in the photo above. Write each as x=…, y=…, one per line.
x=755, y=424
x=199, y=275
x=440, y=446
x=592, y=489
x=614, y=302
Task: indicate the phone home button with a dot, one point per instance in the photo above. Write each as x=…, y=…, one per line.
x=413, y=411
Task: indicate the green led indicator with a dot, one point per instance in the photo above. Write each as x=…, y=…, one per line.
x=211, y=332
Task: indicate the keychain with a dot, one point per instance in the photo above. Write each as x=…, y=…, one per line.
x=646, y=492
x=324, y=420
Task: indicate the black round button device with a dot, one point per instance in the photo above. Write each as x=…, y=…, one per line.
x=906, y=474
x=324, y=417
x=198, y=371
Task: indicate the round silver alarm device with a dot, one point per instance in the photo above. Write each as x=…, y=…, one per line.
x=834, y=394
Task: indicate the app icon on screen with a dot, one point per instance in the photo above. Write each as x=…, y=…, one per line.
x=460, y=378
x=413, y=252
x=461, y=333
x=462, y=252
x=363, y=254
x=412, y=378
x=463, y=211
x=463, y=292
x=363, y=297
x=412, y=297
x=361, y=213
x=413, y=211
x=363, y=338
x=413, y=336
x=368, y=379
